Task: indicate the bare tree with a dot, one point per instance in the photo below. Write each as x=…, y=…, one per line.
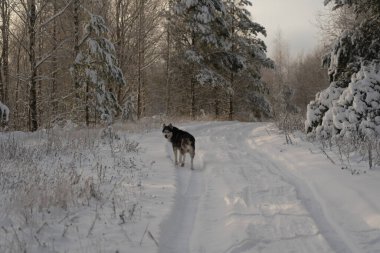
x=307, y=77
x=332, y=24
x=31, y=10
x=31, y=15
x=5, y=14
x=141, y=56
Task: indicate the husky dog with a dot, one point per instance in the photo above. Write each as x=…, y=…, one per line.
x=182, y=141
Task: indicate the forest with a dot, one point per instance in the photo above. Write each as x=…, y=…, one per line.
x=94, y=62
x=82, y=60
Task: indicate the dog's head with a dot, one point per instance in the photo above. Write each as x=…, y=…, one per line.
x=168, y=131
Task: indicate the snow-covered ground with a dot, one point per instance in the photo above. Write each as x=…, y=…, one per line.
x=249, y=192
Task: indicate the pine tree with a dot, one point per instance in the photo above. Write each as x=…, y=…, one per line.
x=96, y=68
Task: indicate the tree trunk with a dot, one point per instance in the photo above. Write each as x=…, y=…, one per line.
x=231, y=99
x=5, y=16
x=168, y=59
x=87, y=107
x=192, y=112
x=119, y=40
x=76, y=41
x=77, y=103
x=216, y=103
x=141, y=58
x=53, y=95
x=1, y=81
x=17, y=91
x=370, y=158
x=33, y=67
x=40, y=73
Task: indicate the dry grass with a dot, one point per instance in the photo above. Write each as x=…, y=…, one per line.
x=47, y=175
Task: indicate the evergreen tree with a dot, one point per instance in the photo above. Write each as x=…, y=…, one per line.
x=97, y=68
x=217, y=40
x=358, y=109
x=251, y=50
x=354, y=51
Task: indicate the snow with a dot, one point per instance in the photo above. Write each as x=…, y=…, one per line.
x=192, y=56
x=249, y=192
x=354, y=110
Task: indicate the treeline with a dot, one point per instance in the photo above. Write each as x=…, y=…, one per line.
x=43, y=42
x=293, y=83
x=94, y=61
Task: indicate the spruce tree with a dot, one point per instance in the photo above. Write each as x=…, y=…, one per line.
x=216, y=40
x=355, y=51
x=251, y=51
x=357, y=111
x=96, y=68
x=201, y=33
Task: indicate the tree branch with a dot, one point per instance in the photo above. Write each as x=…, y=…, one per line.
x=45, y=23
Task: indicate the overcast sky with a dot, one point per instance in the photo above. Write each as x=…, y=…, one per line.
x=295, y=18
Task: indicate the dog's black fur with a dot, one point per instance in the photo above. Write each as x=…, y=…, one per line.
x=182, y=141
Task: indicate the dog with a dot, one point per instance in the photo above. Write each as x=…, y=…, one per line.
x=182, y=141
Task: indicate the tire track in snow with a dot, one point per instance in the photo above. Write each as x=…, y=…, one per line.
x=330, y=233
x=279, y=225
x=176, y=230
x=244, y=188
x=309, y=198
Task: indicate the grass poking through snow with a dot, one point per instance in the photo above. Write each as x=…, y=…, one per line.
x=67, y=190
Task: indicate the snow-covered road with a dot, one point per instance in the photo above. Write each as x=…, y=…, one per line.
x=251, y=193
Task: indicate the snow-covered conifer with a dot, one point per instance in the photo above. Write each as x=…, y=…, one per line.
x=203, y=25
x=355, y=49
x=250, y=51
x=98, y=68
x=260, y=103
x=358, y=109
x=218, y=38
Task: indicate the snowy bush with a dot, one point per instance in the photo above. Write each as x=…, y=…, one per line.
x=358, y=108
x=316, y=109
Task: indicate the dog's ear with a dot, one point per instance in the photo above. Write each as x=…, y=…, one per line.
x=170, y=125
x=163, y=126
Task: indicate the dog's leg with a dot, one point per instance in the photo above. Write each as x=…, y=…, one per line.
x=183, y=159
x=175, y=155
x=192, y=154
x=180, y=158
